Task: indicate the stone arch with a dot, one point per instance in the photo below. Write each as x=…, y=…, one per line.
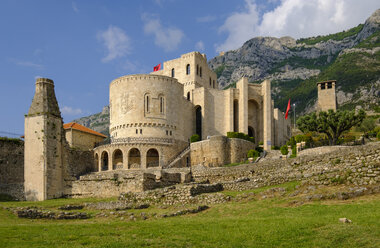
x=198, y=121
x=104, y=161
x=152, y=158
x=187, y=69
x=96, y=162
x=134, y=158
x=117, y=159
x=254, y=117
x=236, y=116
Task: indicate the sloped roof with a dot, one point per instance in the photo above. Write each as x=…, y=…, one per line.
x=81, y=128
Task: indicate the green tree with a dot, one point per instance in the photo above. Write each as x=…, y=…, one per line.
x=367, y=125
x=331, y=123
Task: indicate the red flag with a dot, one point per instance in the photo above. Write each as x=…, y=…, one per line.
x=157, y=67
x=287, y=110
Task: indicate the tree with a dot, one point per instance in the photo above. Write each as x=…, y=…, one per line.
x=367, y=125
x=331, y=123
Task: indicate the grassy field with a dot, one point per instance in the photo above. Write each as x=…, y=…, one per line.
x=250, y=222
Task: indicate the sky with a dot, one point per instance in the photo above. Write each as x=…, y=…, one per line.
x=83, y=45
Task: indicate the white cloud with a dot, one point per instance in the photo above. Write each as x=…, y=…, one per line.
x=296, y=18
x=116, y=42
x=208, y=18
x=75, y=7
x=71, y=111
x=167, y=38
x=200, y=46
x=240, y=26
x=27, y=64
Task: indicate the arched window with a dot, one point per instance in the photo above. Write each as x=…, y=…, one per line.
x=147, y=102
x=200, y=71
x=162, y=104
x=172, y=72
x=117, y=159
x=188, y=69
x=197, y=69
x=104, y=158
x=134, y=158
x=188, y=96
x=210, y=81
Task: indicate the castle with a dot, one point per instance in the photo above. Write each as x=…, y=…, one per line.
x=152, y=117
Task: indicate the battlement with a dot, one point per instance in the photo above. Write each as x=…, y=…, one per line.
x=44, y=80
x=137, y=77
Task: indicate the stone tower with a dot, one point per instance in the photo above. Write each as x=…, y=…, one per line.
x=326, y=95
x=43, y=166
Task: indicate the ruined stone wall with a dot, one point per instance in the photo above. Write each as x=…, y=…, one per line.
x=219, y=150
x=358, y=166
x=12, y=168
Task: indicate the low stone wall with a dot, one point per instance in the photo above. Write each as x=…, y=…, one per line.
x=113, y=183
x=358, y=166
x=219, y=150
x=12, y=168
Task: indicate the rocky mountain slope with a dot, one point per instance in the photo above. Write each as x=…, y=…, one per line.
x=294, y=66
x=351, y=57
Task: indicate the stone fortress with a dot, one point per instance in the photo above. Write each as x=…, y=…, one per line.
x=152, y=117
x=327, y=96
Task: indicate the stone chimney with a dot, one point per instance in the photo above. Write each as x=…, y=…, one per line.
x=44, y=137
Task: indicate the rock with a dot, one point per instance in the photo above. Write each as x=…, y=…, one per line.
x=345, y=220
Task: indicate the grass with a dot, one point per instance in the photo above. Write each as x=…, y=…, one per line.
x=254, y=223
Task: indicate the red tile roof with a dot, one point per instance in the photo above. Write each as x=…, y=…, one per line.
x=79, y=127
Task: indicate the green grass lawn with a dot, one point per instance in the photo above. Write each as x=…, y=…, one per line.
x=252, y=223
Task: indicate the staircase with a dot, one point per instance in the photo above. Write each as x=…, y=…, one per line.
x=183, y=153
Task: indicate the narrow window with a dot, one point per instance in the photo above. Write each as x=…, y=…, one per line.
x=210, y=82
x=140, y=131
x=329, y=85
x=172, y=72
x=147, y=103
x=167, y=132
x=162, y=102
x=187, y=69
x=323, y=86
x=170, y=133
x=197, y=69
x=188, y=96
x=137, y=131
x=213, y=84
x=200, y=71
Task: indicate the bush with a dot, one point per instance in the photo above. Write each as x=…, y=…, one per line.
x=348, y=138
x=275, y=148
x=253, y=154
x=240, y=136
x=259, y=149
x=195, y=138
x=292, y=142
x=294, y=152
x=261, y=143
x=284, y=150
x=378, y=135
x=299, y=138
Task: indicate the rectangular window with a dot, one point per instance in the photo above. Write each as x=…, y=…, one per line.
x=167, y=132
x=329, y=85
x=323, y=86
x=137, y=131
x=140, y=131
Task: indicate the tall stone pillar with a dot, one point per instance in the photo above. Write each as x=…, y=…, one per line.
x=268, y=115
x=242, y=85
x=44, y=139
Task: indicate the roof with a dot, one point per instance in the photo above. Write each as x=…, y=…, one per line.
x=79, y=127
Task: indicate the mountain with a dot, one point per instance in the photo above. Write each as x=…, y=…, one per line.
x=351, y=57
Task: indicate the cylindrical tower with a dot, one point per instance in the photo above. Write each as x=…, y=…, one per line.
x=145, y=106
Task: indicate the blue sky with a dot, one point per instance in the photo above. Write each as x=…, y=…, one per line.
x=84, y=45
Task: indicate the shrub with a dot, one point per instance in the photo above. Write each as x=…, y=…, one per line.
x=299, y=138
x=378, y=135
x=348, y=138
x=253, y=154
x=294, y=152
x=240, y=136
x=275, y=148
x=195, y=138
x=292, y=142
x=284, y=150
x=261, y=143
x=259, y=149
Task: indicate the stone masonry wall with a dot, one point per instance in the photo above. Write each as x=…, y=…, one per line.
x=219, y=150
x=358, y=166
x=12, y=168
